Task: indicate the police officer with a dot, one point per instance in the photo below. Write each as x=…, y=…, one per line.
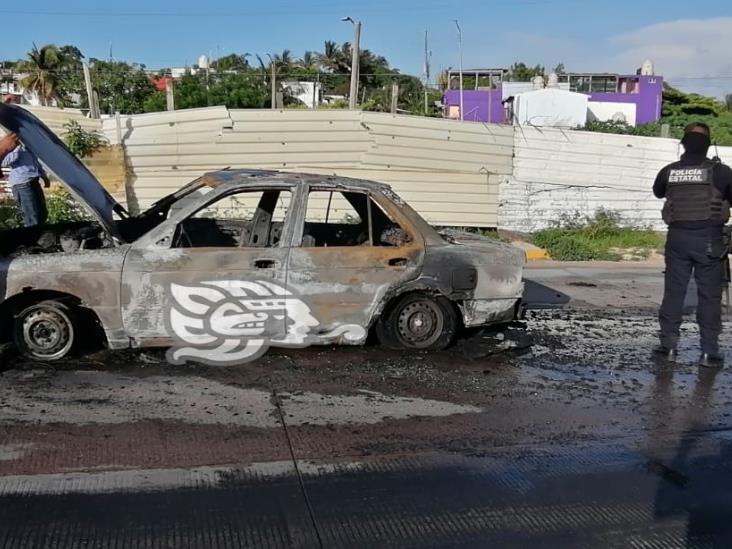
x=698, y=193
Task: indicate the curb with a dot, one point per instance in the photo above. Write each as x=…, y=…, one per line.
x=537, y=254
x=533, y=253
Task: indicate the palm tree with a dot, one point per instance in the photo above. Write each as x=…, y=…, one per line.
x=283, y=60
x=332, y=58
x=43, y=66
x=309, y=60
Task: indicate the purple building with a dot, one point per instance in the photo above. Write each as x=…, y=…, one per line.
x=486, y=90
x=646, y=92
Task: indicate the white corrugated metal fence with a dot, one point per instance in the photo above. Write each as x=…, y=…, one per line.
x=449, y=171
x=453, y=173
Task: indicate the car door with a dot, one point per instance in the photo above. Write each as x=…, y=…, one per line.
x=340, y=268
x=224, y=252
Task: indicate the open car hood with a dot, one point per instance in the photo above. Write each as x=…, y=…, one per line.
x=72, y=173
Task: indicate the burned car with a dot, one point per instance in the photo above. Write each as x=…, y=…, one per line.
x=239, y=260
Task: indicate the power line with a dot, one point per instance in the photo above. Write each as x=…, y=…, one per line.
x=700, y=77
x=438, y=5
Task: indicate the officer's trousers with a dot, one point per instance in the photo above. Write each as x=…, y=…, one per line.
x=699, y=251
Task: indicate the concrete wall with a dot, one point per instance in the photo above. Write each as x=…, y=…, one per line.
x=605, y=111
x=565, y=173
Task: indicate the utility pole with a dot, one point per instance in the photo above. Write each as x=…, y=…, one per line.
x=355, y=62
x=169, y=95
x=93, y=109
x=273, y=83
x=460, y=43
x=394, y=97
x=274, y=86
x=426, y=72
x=490, y=96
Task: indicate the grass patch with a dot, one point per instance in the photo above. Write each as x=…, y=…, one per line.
x=597, y=238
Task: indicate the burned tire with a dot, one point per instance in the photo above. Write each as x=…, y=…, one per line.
x=45, y=331
x=418, y=322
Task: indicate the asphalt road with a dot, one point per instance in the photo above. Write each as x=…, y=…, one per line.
x=563, y=433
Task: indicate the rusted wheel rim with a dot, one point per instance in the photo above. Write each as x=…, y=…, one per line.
x=48, y=333
x=420, y=324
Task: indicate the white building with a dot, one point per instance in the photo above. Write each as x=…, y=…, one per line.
x=550, y=107
x=308, y=93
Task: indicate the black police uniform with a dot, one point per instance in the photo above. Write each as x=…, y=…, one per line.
x=698, y=192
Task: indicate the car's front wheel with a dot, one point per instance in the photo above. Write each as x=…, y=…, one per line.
x=45, y=331
x=419, y=322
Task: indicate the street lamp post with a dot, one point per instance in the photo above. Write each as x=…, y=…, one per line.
x=460, y=43
x=355, y=61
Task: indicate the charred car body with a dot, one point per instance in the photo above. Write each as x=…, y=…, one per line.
x=336, y=258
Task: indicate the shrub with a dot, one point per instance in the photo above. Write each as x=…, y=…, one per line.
x=575, y=238
x=81, y=142
x=9, y=215
x=63, y=208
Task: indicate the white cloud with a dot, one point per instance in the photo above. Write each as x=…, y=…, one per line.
x=682, y=51
x=690, y=53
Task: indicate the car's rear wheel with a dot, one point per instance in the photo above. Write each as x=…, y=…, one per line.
x=45, y=331
x=419, y=322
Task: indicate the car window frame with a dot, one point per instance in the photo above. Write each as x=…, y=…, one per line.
x=381, y=201
x=162, y=237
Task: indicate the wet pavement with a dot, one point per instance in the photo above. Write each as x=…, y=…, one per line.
x=561, y=432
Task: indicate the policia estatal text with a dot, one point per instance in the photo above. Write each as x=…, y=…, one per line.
x=698, y=193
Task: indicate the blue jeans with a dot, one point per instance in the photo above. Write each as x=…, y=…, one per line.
x=31, y=201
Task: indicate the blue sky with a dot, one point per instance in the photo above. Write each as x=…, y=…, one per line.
x=690, y=47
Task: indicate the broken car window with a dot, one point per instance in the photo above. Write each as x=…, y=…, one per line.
x=347, y=218
x=249, y=219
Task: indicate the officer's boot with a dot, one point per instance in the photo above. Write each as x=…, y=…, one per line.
x=669, y=354
x=712, y=360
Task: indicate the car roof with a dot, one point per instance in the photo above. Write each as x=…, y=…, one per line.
x=256, y=178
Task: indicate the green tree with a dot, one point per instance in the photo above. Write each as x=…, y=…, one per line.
x=728, y=101
x=240, y=90
x=232, y=62
x=676, y=102
x=521, y=72
x=42, y=66
x=284, y=60
x=559, y=69
x=308, y=61
x=121, y=86
x=679, y=109
x=332, y=59
x=71, y=77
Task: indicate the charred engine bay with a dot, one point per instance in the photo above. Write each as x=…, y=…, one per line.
x=46, y=239
x=69, y=237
